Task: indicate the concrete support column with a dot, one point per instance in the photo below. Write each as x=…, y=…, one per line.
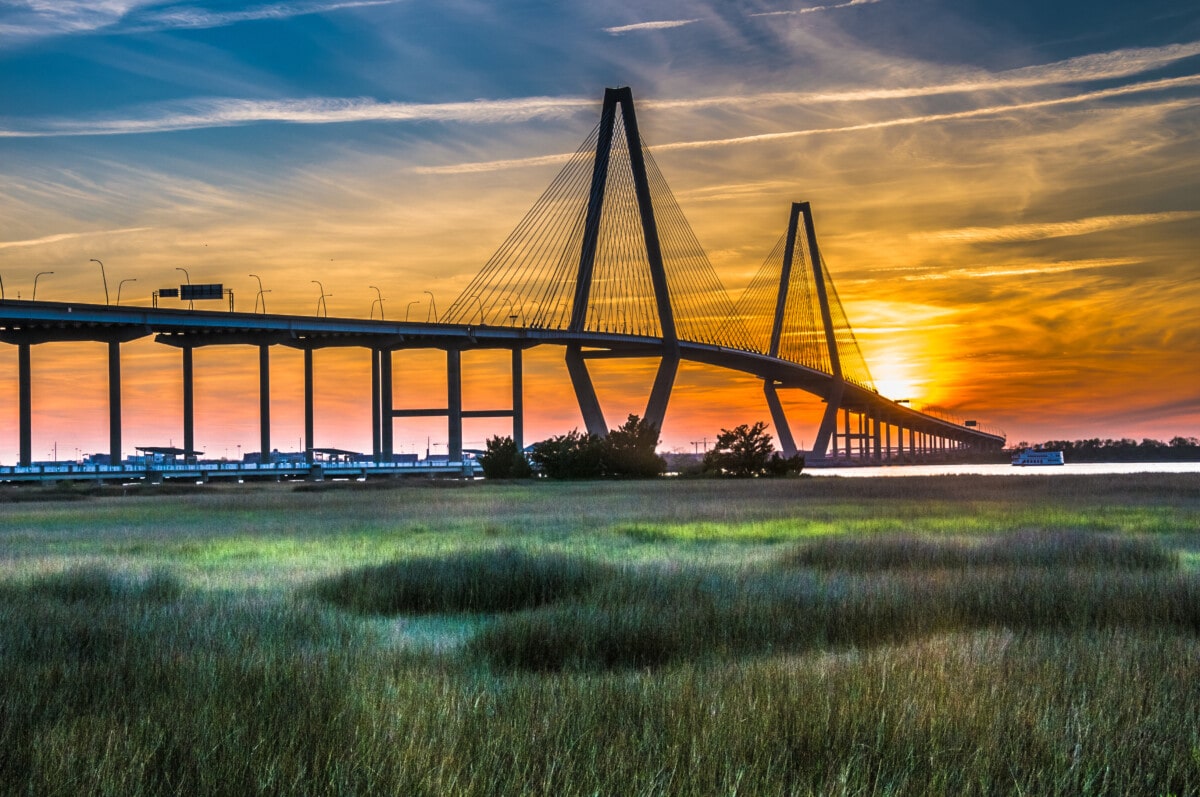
x=877, y=438
x=25, y=404
x=887, y=441
x=114, y=401
x=376, y=420
x=264, y=402
x=518, y=398
x=846, y=428
x=308, y=406
x=189, y=404
x=386, y=404
x=454, y=404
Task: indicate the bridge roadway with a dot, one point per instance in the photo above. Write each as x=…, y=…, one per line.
x=26, y=323
x=230, y=471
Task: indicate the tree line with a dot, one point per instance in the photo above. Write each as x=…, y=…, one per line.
x=630, y=452
x=1178, y=449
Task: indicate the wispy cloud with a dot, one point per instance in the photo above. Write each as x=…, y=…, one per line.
x=813, y=9
x=973, y=113
x=907, y=121
x=66, y=236
x=1090, y=68
x=657, y=25
x=190, y=17
x=43, y=18
x=230, y=113
x=1023, y=269
x=1062, y=229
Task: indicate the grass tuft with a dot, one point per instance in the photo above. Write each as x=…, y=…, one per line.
x=499, y=580
x=1021, y=549
x=94, y=584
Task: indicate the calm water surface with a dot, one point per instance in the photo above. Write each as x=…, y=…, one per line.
x=1011, y=470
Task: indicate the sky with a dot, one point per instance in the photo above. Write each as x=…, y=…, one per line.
x=1007, y=195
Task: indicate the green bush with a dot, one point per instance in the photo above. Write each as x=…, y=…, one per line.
x=747, y=451
x=574, y=455
x=503, y=460
x=629, y=451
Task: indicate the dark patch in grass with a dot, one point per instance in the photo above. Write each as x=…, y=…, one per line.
x=93, y=584
x=500, y=580
x=1026, y=549
x=644, y=533
x=653, y=617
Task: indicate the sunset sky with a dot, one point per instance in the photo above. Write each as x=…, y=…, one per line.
x=1007, y=194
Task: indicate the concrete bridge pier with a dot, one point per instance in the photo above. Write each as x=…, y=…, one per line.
x=25, y=404
x=264, y=402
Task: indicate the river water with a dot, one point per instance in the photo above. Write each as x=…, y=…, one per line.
x=995, y=469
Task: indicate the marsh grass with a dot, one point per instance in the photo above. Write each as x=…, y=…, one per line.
x=499, y=580
x=753, y=672
x=1047, y=549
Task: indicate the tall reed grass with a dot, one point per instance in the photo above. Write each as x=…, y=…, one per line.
x=246, y=642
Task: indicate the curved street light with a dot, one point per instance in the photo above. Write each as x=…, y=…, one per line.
x=482, y=314
x=191, y=304
x=38, y=276
x=409, y=309
x=321, y=302
x=378, y=301
x=120, y=285
x=432, y=308
x=102, y=277
x=260, y=295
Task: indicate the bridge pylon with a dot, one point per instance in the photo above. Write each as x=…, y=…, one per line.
x=621, y=99
x=807, y=326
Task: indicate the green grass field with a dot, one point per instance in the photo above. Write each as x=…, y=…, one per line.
x=944, y=635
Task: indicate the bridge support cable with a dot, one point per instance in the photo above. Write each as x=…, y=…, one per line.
x=605, y=249
x=595, y=205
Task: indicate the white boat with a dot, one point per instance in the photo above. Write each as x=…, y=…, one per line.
x=1032, y=457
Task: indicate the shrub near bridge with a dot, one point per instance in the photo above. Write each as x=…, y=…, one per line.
x=625, y=452
x=503, y=460
x=747, y=451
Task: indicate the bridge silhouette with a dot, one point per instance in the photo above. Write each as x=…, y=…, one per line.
x=605, y=265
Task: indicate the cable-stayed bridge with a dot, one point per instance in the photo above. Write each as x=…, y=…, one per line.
x=605, y=265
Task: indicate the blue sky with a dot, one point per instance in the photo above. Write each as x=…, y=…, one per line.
x=1007, y=193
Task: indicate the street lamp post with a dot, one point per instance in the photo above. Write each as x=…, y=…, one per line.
x=432, y=308
x=378, y=301
x=482, y=315
x=102, y=277
x=409, y=309
x=321, y=302
x=260, y=295
x=191, y=304
x=120, y=285
x=38, y=276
